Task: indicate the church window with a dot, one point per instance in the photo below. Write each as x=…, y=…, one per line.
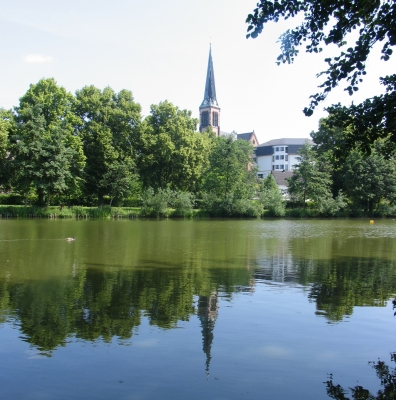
x=215, y=119
x=205, y=118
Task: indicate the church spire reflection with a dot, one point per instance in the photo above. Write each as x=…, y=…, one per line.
x=208, y=308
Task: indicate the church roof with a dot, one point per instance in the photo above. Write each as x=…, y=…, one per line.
x=245, y=136
x=210, y=87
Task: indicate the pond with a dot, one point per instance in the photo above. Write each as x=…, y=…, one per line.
x=220, y=309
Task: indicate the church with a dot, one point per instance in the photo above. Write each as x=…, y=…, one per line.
x=277, y=156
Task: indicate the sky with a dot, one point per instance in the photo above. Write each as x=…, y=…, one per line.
x=159, y=50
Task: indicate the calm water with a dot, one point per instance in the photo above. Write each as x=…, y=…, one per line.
x=195, y=309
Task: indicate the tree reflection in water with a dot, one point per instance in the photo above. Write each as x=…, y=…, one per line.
x=386, y=375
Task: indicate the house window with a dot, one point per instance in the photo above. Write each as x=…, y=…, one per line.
x=273, y=158
x=205, y=118
x=273, y=167
x=215, y=117
x=282, y=157
x=286, y=149
x=276, y=166
x=276, y=157
x=282, y=148
x=282, y=166
x=286, y=167
x=260, y=176
x=276, y=148
x=286, y=158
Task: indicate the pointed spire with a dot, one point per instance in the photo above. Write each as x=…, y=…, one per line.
x=210, y=88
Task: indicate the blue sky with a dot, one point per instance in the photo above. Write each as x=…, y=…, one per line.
x=158, y=49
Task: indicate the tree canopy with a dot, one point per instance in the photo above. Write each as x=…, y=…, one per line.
x=331, y=22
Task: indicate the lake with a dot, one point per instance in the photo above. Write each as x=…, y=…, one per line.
x=219, y=309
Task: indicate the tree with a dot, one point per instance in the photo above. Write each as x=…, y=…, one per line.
x=46, y=152
x=331, y=22
x=365, y=179
x=369, y=179
x=271, y=197
x=109, y=128
x=311, y=179
x=230, y=168
x=119, y=179
x=386, y=375
x=7, y=129
x=172, y=154
x=330, y=142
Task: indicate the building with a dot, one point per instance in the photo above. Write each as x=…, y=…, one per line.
x=209, y=110
x=278, y=155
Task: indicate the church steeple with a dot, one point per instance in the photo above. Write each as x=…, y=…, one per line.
x=210, y=87
x=209, y=109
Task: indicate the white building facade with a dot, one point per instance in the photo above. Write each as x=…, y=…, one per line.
x=278, y=155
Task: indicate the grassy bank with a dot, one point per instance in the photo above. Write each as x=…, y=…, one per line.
x=80, y=212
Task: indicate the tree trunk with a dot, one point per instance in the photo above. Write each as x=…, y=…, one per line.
x=100, y=199
x=41, y=197
x=26, y=196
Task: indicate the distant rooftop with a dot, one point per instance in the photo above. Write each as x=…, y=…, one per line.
x=285, y=142
x=245, y=136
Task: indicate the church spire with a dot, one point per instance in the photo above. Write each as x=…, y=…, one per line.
x=210, y=87
x=209, y=110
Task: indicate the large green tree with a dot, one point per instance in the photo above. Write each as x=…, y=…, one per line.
x=311, y=179
x=46, y=152
x=171, y=153
x=331, y=22
x=230, y=169
x=109, y=127
x=271, y=197
x=7, y=129
x=369, y=179
x=365, y=179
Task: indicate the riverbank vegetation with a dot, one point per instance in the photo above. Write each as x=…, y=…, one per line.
x=93, y=154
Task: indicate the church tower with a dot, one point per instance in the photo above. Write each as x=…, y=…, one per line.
x=209, y=110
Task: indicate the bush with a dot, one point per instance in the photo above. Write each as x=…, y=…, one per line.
x=156, y=204
x=229, y=206
x=183, y=204
x=329, y=207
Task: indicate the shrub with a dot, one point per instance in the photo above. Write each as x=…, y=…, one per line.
x=229, y=206
x=156, y=204
x=183, y=204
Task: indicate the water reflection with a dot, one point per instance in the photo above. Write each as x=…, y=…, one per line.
x=336, y=285
x=208, y=308
x=95, y=303
x=116, y=275
x=387, y=376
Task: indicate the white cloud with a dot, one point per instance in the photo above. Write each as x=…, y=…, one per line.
x=38, y=59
